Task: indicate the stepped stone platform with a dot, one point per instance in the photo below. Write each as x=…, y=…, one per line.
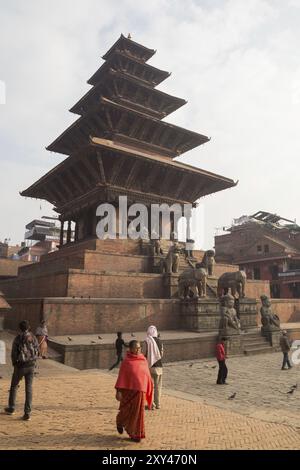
x=98, y=351
x=97, y=287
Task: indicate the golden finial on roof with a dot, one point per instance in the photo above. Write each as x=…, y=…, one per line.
x=129, y=36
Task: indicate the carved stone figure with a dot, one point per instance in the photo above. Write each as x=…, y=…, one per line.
x=155, y=248
x=229, y=323
x=235, y=281
x=208, y=261
x=269, y=320
x=192, y=281
x=171, y=262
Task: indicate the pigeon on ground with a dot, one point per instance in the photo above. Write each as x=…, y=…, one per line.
x=99, y=337
x=294, y=386
x=70, y=339
x=133, y=335
x=232, y=396
x=191, y=365
x=93, y=342
x=213, y=367
x=291, y=391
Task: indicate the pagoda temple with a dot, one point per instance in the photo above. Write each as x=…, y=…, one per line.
x=121, y=146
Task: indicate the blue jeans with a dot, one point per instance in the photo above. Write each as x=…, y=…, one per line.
x=19, y=373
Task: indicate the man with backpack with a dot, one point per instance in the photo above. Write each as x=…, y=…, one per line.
x=25, y=351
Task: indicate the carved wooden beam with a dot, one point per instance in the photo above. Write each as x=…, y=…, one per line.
x=68, y=185
x=100, y=122
x=85, y=174
x=132, y=174
x=77, y=176
x=94, y=174
x=157, y=132
x=120, y=123
x=108, y=117
x=145, y=130
x=181, y=187
x=50, y=195
x=60, y=190
x=136, y=125
x=114, y=170
x=101, y=168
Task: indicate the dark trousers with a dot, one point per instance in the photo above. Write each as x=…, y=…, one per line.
x=19, y=373
x=119, y=359
x=286, y=360
x=223, y=371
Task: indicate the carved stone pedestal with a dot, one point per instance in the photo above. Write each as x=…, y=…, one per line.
x=272, y=335
x=170, y=285
x=200, y=315
x=234, y=345
x=247, y=313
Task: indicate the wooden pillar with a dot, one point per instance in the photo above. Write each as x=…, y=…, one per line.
x=76, y=231
x=69, y=232
x=61, y=240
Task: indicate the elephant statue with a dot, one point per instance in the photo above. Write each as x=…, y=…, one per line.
x=235, y=281
x=192, y=280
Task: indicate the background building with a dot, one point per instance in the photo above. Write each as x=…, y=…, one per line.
x=267, y=247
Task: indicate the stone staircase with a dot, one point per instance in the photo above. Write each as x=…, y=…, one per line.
x=254, y=343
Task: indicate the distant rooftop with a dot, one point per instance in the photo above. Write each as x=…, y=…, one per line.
x=39, y=223
x=262, y=217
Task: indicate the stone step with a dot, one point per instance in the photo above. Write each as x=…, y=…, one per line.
x=262, y=350
x=257, y=347
x=253, y=336
x=255, y=343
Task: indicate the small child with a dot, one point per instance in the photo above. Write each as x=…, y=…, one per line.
x=119, y=349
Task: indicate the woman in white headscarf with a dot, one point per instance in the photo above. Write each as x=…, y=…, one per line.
x=154, y=354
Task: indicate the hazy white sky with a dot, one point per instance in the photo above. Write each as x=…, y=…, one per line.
x=235, y=61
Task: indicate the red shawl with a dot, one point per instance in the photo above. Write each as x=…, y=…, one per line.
x=134, y=374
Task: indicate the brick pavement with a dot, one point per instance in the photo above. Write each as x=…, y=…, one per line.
x=76, y=409
x=259, y=383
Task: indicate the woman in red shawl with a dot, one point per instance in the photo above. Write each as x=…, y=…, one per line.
x=134, y=384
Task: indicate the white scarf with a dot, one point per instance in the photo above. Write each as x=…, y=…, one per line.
x=153, y=354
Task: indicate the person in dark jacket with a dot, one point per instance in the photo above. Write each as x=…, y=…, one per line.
x=119, y=349
x=285, y=348
x=221, y=358
x=25, y=351
x=154, y=353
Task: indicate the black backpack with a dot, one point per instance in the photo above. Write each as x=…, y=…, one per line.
x=28, y=350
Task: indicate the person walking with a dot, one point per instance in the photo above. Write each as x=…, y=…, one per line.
x=154, y=353
x=221, y=358
x=25, y=351
x=285, y=348
x=119, y=349
x=133, y=387
x=42, y=338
